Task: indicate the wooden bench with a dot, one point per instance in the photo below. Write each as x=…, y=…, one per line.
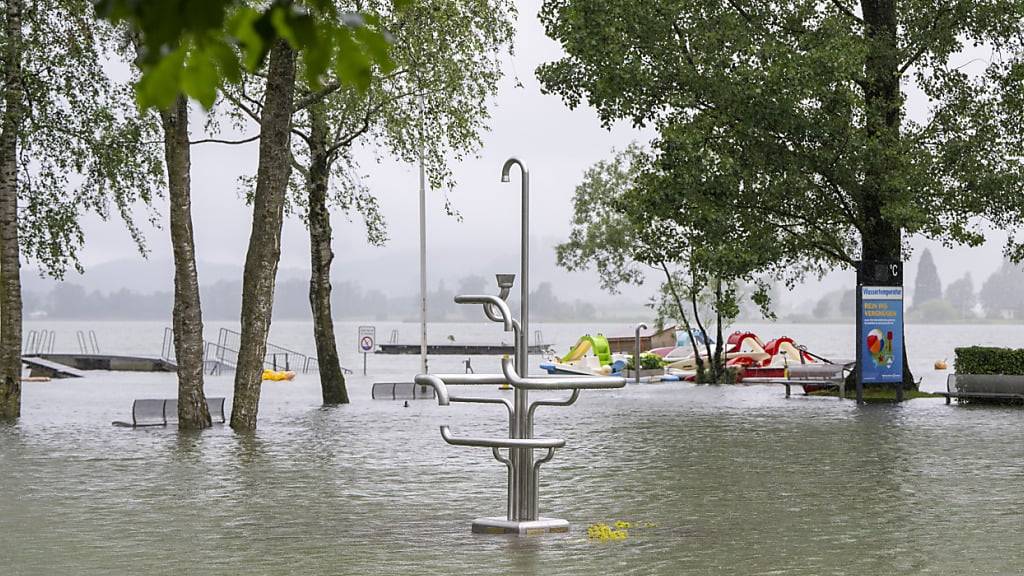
x=162, y=411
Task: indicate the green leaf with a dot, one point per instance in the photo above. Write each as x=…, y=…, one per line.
x=158, y=86
x=199, y=77
x=243, y=27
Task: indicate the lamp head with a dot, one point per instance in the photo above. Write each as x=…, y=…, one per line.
x=505, y=280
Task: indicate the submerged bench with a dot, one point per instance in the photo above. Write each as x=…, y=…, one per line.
x=161, y=411
x=996, y=387
x=401, y=391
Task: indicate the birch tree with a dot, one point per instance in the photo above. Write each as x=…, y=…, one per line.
x=72, y=142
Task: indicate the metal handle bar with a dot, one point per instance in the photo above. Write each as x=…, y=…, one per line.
x=580, y=383
x=446, y=433
x=437, y=384
x=471, y=379
x=567, y=402
x=536, y=471
x=510, y=500
x=476, y=400
x=488, y=300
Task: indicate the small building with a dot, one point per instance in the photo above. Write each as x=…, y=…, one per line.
x=663, y=338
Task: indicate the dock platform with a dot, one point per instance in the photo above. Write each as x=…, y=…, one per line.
x=102, y=362
x=42, y=368
x=460, y=349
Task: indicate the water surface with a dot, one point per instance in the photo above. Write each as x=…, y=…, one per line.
x=735, y=480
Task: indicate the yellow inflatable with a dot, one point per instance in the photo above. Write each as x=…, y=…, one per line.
x=278, y=375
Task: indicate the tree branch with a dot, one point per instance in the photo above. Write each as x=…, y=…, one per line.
x=842, y=8
x=924, y=45
x=219, y=141
x=317, y=96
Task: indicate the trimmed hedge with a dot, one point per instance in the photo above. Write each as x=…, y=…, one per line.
x=648, y=361
x=989, y=360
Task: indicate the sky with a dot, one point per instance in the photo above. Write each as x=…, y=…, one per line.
x=557, y=145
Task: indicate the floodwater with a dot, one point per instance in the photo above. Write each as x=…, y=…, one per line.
x=725, y=480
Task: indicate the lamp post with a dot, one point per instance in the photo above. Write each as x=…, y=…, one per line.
x=423, y=261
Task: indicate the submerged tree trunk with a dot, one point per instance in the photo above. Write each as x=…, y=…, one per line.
x=719, y=361
x=10, y=256
x=187, y=317
x=332, y=379
x=264, y=252
x=686, y=322
x=880, y=239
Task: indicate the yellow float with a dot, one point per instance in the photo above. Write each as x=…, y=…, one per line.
x=278, y=375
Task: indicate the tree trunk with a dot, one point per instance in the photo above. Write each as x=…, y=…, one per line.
x=686, y=322
x=10, y=256
x=332, y=379
x=264, y=252
x=720, y=362
x=193, y=412
x=881, y=239
x=700, y=326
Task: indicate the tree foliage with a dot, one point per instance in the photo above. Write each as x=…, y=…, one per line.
x=803, y=103
x=960, y=295
x=195, y=47
x=1001, y=295
x=632, y=215
x=82, y=145
x=434, y=101
x=927, y=285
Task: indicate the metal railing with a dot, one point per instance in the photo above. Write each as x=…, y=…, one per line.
x=312, y=364
x=87, y=342
x=276, y=357
x=38, y=342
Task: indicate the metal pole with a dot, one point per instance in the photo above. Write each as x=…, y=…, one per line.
x=859, y=348
x=364, y=363
x=423, y=260
x=523, y=457
x=636, y=350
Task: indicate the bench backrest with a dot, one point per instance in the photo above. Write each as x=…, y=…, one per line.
x=401, y=391
x=989, y=384
x=160, y=411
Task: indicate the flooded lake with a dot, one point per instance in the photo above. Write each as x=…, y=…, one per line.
x=723, y=480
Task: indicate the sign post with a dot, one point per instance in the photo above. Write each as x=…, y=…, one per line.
x=367, y=342
x=879, y=326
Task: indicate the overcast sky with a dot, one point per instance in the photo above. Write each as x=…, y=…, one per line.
x=556, y=143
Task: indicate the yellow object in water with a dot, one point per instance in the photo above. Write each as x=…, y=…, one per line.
x=941, y=365
x=278, y=375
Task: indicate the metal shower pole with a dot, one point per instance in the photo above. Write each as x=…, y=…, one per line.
x=636, y=350
x=521, y=457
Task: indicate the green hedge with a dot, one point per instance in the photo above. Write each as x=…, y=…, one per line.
x=989, y=360
x=648, y=361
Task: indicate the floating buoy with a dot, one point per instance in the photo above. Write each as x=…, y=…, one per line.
x=278, y=375
x=941, y=365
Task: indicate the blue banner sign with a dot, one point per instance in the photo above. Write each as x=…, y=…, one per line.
x=881, y=322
